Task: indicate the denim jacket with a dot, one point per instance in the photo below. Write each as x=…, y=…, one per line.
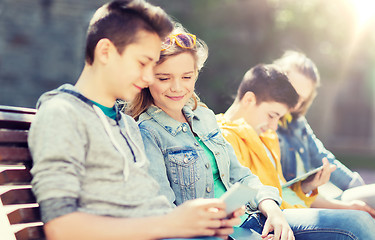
x=298, y=136
x=179, y=163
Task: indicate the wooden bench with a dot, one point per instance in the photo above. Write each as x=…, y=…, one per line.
x=19, y=212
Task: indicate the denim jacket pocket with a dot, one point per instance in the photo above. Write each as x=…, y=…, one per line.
x=183, y=166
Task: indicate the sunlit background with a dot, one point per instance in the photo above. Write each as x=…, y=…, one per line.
x=41, y=47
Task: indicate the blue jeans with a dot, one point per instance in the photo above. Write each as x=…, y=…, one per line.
x=238, y=234
x=322, y=224
x=198, y=238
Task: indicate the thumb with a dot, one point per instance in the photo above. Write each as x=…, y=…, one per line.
x=332, y=167
x=266, y=229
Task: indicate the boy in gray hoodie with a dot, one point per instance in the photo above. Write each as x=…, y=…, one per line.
x=90, y=170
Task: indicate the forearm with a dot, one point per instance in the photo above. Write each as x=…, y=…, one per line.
x=269, y=207
x=321, y=202
x=84, y=226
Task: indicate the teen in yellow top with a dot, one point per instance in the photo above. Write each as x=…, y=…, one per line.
x=251, y=152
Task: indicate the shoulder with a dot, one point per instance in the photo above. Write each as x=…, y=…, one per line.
x=301, y=126
x=60, y=110
x=301, y=120
x=204, y=110
x=128, y=119
x=206, y=115
x=146, y=121
x=147, y=126
x=132, y=124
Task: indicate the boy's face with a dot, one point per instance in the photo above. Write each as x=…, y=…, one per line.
x=132, y=70
x=265, y=116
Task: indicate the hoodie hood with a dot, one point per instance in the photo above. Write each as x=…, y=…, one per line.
x=55, y=92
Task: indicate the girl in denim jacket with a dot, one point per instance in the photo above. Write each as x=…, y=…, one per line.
x=302, y=151
x=188, y=155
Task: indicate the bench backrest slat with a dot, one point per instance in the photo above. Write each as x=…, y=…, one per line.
x=12, y=136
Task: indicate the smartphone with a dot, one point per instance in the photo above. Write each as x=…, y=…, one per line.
x=237, y=196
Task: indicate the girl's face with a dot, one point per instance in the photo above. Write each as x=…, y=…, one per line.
x=174, y=83
x=303, y=86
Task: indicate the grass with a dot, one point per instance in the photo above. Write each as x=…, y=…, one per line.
x=357, y=161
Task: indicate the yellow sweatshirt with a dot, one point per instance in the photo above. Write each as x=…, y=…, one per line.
x=250, y=152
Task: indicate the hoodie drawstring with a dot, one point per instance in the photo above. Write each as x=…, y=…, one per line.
x=107, y=128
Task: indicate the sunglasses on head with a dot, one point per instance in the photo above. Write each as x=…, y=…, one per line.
x=183, y=40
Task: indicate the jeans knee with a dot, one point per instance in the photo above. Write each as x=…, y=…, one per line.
x=361, y=225
x=362, y=217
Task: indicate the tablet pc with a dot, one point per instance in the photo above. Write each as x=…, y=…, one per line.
x=237, y=196
x=302, y=177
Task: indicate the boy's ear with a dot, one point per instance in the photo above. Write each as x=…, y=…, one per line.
x=249, y=98
x=103, y=49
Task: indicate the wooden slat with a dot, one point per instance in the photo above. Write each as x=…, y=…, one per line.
x=14, y=154
x=26, y=213
x=21, y=110
x=13, y=136
x=20, y=175
x=17, y=195
x=16, y=118
x=28, y=231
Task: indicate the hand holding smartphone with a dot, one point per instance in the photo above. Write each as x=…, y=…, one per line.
x=237, y=196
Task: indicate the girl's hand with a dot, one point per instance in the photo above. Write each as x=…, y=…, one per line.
x=318, y=179
x=275, y=222
x=360, y=205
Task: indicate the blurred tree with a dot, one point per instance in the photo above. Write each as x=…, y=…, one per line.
x=42, y=41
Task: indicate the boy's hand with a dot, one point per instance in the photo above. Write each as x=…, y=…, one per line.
x=228, y=224
x=200, y=217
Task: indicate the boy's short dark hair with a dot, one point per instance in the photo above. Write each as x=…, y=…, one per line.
x=121, y=20
x=269, y=84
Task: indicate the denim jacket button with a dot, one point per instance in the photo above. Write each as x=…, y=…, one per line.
x=301, y=150
x=186, y=160
x=208, y=189
x=196, y=144
x=207, y=165
x=184, y=129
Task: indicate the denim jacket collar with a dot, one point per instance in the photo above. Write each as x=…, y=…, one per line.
x=171, y=125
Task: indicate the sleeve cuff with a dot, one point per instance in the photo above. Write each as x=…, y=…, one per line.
x=265, y=192
x=307, y=198
x=57, y=207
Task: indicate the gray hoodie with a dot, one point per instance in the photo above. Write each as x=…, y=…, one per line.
x=84, y=161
